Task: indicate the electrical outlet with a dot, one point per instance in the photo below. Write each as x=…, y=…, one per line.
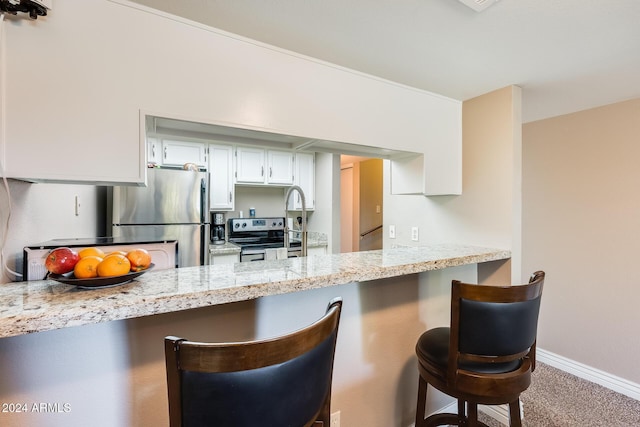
x=335, y=419
x=392, y=231
x=414, y=234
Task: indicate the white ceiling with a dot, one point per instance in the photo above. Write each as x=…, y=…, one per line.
x=567, y=55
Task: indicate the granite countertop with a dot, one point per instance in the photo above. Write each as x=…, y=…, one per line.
x=27, y=307
x=224, y=249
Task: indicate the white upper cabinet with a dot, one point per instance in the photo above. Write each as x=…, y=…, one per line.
x=154, y=151
x=260, y=166
x=280, y=167
x=305, y=178
x=221, y=185
x=249, y=165
x=177, y=153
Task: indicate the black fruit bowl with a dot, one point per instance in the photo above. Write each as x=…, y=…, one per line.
x=97, y=282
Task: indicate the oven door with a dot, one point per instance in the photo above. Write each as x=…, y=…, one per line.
x=247, y=255
x=294, y=252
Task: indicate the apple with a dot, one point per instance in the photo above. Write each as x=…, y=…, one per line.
x=61, y=260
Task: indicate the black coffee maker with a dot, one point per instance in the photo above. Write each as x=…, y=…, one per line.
x=217, y=228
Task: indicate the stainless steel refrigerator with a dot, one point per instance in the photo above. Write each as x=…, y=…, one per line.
x=173, y=206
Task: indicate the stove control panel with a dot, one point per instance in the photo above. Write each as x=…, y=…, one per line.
x=256, y=224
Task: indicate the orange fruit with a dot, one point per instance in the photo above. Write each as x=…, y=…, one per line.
x=87, y=267
x=139, y=259
x=90, y=252
x=114, y=265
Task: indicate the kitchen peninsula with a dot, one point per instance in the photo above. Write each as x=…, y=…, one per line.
x=36, y=306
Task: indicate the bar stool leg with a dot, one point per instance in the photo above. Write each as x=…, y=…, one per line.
x=422, y=402
x=472, y=414
x=514, y=414
x=461, y=412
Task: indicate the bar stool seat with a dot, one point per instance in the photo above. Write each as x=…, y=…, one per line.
x=486, y=355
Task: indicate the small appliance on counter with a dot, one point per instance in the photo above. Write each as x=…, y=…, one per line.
x=218, y=228
x=163, y=253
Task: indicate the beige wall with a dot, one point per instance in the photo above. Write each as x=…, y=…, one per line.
x=581, y=223
x=488, y=211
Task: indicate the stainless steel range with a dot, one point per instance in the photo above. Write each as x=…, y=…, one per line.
x=255, y=235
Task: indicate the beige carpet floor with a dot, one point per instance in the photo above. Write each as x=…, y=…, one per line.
x=558, y=399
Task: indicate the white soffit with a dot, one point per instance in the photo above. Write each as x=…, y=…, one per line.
x=478, y=5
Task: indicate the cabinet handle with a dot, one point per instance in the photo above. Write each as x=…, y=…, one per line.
x=262, y=171
x=230, y=197
x=270, y=172
x=165, y=153
x=153, y=150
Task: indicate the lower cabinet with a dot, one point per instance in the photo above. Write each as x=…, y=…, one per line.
x=219, y=259
x=317, y=250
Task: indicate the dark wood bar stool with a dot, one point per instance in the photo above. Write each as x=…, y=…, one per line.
x=487, y=354
x=276, y=382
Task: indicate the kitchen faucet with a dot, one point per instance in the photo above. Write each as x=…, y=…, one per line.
x=303, y=233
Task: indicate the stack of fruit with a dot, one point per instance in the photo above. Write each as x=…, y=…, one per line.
x=92, y=262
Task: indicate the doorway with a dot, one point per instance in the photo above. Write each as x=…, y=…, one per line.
x=360, y=204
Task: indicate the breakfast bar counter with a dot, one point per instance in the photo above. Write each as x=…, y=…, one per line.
x=28, y=307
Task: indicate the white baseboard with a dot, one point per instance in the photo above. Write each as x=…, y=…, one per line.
x=588, y=373
x=499, y=413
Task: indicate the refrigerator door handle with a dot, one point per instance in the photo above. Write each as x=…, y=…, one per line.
x=203, y=201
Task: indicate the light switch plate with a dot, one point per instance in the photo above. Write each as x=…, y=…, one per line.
x=414, y=234
x=392, y=231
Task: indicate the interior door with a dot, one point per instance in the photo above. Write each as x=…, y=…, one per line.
x=370, y=206
x=346, y=209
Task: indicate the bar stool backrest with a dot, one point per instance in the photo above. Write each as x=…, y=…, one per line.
x=282, y=381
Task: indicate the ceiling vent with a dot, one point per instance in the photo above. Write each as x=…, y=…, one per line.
x=478, y=5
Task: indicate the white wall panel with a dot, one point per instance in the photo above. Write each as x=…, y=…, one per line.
x=78, y=78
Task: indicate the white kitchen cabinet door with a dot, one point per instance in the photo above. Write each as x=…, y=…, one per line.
x=177, y=153
x=280, y=167
x=224, y=259
x=154, y=151
x=305, y=178
x=222, y=188
x=250, y=167
x=317, y=250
